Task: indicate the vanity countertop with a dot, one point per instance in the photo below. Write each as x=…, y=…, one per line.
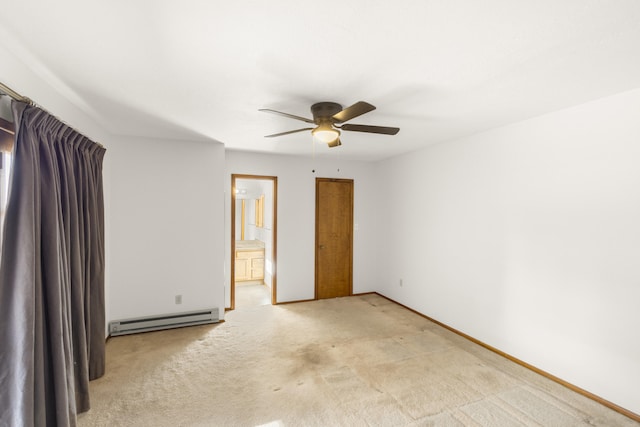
x=249, y=245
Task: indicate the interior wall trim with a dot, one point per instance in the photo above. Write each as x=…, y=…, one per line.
x=295, y=301
x=602, y=401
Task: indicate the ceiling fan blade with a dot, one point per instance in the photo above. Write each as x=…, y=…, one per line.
x=335, y=143
x=287, y=132
x=357, y=109
x=291, y=116
x=370, y=129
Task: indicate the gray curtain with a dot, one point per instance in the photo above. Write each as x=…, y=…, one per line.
x=52, y=332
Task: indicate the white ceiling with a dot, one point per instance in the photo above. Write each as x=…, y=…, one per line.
x=439, y=70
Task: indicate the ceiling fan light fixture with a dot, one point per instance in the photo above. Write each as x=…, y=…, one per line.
x=325, y=133
x=330, y=118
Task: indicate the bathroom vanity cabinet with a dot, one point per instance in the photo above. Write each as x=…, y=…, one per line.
x=249, y=260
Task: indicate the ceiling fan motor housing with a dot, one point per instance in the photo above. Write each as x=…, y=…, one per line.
x=324, y=110
x=330, y=118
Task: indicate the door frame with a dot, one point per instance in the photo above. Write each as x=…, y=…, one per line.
x=351, y=207
x=274, y=233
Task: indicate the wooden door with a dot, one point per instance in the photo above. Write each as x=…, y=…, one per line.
x=334, y=237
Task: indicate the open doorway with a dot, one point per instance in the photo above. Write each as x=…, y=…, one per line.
x=253, y=240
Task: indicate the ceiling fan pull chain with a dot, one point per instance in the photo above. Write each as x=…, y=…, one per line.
x=313, y=157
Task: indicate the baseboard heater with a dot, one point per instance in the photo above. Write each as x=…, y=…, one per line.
x=168, y=321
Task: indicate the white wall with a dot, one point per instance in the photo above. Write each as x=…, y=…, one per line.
x=26, y=81
x=296, y=217
x=527, y=237
x=167, y=226
x=265, y=233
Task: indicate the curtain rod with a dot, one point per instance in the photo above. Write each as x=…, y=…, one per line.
x=15, y=95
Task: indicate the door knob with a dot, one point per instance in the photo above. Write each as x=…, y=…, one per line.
x=321, y=246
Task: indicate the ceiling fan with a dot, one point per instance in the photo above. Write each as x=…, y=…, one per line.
x=329, y=118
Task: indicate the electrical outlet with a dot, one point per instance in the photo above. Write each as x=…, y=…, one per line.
x=400, y=282
x=178, y=299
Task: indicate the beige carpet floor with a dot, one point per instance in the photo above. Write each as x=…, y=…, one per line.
x=251, y=294
x=356, y=361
